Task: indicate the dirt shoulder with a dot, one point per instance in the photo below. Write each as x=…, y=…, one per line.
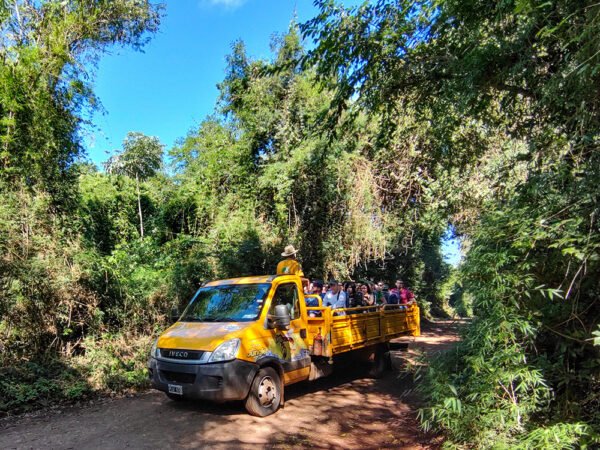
x=344, y=410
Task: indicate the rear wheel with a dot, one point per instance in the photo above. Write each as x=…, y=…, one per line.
x=265, y=393
x=381, y=362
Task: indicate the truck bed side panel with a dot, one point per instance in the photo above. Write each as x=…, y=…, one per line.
x=359, y=329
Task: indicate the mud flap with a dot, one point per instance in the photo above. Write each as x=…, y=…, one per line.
x=320, y=368
x=282, y=402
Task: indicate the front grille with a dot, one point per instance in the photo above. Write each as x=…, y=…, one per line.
x=178, y=377
x=172, y=353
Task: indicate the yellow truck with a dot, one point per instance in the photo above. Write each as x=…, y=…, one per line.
x=247, y=338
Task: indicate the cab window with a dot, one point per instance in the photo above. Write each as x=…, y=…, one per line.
x=287, y=294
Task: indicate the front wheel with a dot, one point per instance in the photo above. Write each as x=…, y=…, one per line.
x=265, y=393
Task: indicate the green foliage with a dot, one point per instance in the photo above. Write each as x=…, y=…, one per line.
x=141, y=157
x=503, y=97
x=597, y=336
x=266, y=171
x=44, y=84
x=456, y=300
x=107, y=211
x=94, y=260
x=112, y=363
x=50, y=299
x=33, y=385
x=118, y=361
x=561, y=435
x=44, y=303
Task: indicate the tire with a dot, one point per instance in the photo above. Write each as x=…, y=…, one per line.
x=381, y=363
x=265, y=393
x=389, y=366
x=175, y=397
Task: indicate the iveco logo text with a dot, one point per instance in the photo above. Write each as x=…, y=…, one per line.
x=176, y=354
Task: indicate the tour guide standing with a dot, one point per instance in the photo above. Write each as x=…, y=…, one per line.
x=290, y=265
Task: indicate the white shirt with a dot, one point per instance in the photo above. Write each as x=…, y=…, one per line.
x=335, y=301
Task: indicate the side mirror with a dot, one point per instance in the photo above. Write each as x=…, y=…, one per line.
x=175, y=314
x=280, y=319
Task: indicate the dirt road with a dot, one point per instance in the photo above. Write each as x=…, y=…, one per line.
x=344, y=410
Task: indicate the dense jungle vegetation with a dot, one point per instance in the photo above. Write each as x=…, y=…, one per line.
x=369, y=133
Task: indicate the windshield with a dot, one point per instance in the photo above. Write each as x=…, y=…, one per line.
x=231, y=303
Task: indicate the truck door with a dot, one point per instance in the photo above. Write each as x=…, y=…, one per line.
x=291, y=345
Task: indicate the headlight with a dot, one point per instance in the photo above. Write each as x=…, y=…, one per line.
x=154, y=351
x=226, y=351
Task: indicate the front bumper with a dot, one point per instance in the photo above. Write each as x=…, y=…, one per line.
x=217, y=382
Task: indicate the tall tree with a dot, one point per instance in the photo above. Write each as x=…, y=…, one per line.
x=141, y=158
x=46, y=49
x=509, y=95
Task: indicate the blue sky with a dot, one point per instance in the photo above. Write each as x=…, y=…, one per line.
x=171, y=87
x=451, y=248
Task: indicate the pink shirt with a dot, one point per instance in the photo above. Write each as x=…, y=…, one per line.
x=405, y=295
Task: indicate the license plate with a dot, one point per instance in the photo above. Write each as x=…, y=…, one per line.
x=175, y=389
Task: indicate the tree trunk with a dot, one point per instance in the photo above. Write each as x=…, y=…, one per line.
x=137, y=183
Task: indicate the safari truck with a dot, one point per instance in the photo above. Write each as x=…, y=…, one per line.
x=247, y=338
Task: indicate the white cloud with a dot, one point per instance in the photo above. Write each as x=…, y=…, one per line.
x=226, y=4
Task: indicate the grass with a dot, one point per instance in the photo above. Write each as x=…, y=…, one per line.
x=110, y=364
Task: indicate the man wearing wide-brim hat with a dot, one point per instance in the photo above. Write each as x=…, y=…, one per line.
x=290, y=265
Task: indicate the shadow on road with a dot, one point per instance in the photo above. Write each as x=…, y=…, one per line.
x=346, y=410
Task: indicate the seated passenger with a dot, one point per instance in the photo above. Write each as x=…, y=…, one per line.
x=335, y=298
x=354, y=297
x=312, y=300
x=378, y=293
x=403, y=293
x=317, y=288
x=367, y=297
x=393, y=299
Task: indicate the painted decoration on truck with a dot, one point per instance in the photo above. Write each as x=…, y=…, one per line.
x=291, y=346
x=286, y=346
